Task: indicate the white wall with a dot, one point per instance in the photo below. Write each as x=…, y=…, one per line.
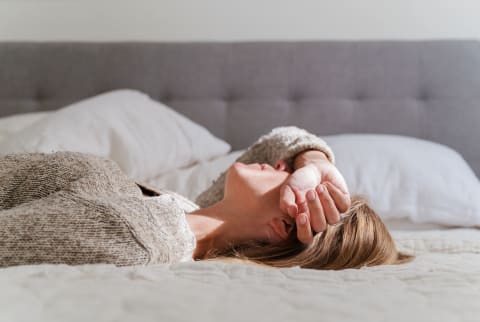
x=183, y=20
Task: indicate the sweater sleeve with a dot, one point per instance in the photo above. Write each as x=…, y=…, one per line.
x=74, y=208
x=282, y=143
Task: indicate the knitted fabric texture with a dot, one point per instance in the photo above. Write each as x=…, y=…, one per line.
x=75, y=208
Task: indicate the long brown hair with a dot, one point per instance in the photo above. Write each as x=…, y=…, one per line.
x=359, y=239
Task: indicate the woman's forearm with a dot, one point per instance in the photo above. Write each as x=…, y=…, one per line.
x=309, y=157
x=281, y=143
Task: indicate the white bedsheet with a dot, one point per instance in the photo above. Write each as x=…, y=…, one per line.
x=442, y=284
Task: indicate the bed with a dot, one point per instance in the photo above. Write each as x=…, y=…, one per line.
x=238, y=91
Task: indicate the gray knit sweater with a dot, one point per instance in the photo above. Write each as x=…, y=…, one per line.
x=75, y=208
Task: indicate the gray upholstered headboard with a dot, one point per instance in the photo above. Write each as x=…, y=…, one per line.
x=426, y=89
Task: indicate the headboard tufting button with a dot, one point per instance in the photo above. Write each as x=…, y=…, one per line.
x=360, y=96
x=40, y=95
x=165, y=97
x=423, y=96
x=296, y=96
x=230, y=96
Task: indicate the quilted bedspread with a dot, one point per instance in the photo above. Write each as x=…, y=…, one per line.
x=442, y=284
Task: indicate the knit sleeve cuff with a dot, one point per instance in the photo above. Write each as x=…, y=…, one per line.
x=285, y=143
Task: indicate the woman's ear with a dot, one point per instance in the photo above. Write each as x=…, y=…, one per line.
x=280, y=227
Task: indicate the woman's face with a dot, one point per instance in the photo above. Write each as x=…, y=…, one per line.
x=256, y=189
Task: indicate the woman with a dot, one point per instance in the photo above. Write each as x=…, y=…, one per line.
x=73, y=208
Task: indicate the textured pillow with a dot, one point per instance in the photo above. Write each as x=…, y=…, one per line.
x=405, y=177
x=146, y=138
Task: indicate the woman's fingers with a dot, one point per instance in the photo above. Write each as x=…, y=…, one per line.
x=316, y=208
x=300, y=201
x=341, y=199
x=339, y=183
x=317, y=217
x=329, y=209
x=299, y=196
x=304, y=232
x=287, y=200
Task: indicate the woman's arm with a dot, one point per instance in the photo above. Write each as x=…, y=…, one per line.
x=285, y=143
x=314, y=157
x=315, y=194
x=282, y=143
x=313, y=161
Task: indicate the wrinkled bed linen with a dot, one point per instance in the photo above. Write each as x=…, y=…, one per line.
x=442, y=284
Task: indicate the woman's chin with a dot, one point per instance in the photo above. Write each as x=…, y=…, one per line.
x=251, y=166
x=235, y=167
x=239, y=167
x=237, y=164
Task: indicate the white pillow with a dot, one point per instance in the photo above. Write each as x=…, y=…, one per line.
x=417, y=183
x=191, y=181
x=17, y=122
x=405, y=177
x=145, y=137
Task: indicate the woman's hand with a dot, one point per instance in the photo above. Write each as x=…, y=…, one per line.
x=315, y=194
